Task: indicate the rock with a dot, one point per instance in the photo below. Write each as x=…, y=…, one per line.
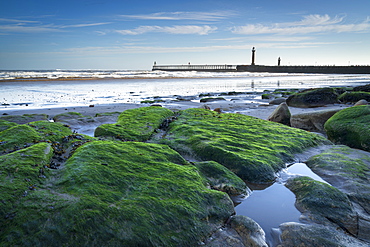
x=277, y=101
x=135, y=124
x=313, y=98
x=350, y=127
x=363, y=88
x=86, y=124
x=267, y=96
x=312, y=121
x=348, y=170
x=205, y=100
x=250, y=232
x=25, y=118
x=361, y=102
x=352, y=97
x=325, y=204
x=220, y=178
x=18, y=137
x=297, y=234
x=219, y=110
x=254, y=149
x=144, y=195
x=6, y=125
x=280, y=115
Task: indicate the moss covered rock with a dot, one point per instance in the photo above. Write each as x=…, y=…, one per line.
x=54, y=132
x=353, y=97
x=220, y=178
x=252, y=148
x=313, y=98
x=6, y=125
x=25, y=118
x=135, y=124
x=350, y=127
x=324, y=202
x=119, y=194
x=18, y=137
x=21, y=174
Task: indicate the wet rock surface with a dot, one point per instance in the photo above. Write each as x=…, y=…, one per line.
x=350, y=127
x=313, y=98
x=313, y=121
x=59, y=186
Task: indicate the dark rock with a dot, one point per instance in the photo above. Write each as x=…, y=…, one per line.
x=325, y=204
x=281, y=115
x=297, y=234
x=350, y=127
x=312, y=121
x=352, y=97
x=251, y=233
x=277, y=101
x=313, y=98
x=205, y=100
x=364, y=88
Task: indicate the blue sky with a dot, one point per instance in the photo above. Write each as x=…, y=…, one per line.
x=112, y=34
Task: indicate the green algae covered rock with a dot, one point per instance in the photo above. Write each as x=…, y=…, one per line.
x=313, y=98
x=6, y=125
x=54, y=132
x=252, y=148
x=21, y=173
x=354, y=97
x=25, y=118
x=18, y=137
x=119, y=194
x=220, y=178
x=135, y=124
x=346, y=169
x=324, y=202
x=350, y=127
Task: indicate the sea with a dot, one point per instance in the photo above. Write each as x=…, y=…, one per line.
x=61, y=88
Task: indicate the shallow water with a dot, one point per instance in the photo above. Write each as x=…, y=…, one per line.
x=135, y=86
x=273, y=205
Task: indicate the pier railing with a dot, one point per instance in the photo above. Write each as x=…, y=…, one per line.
x=215, y=68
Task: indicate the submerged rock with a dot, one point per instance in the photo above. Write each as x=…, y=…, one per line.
x=252, y=148
x=135, y=124
x=117, y=194
x=313, y=98
x=350, y=127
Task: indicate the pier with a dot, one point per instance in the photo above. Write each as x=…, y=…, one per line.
x=207, y=68
x=269, y=69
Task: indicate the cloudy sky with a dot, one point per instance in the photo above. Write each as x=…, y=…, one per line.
x=129, y=34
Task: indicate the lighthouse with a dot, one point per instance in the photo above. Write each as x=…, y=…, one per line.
x=253, y=55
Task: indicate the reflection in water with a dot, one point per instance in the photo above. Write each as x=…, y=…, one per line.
x=272, y=205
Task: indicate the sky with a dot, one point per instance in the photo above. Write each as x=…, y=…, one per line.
x=122, y=34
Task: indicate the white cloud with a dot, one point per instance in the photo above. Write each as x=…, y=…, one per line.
x=309, y=24
x=86, y=25
x=20, y=28
x=200, y=16
x=185, y=29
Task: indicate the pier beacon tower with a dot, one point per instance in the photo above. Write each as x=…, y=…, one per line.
x=253, y=56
